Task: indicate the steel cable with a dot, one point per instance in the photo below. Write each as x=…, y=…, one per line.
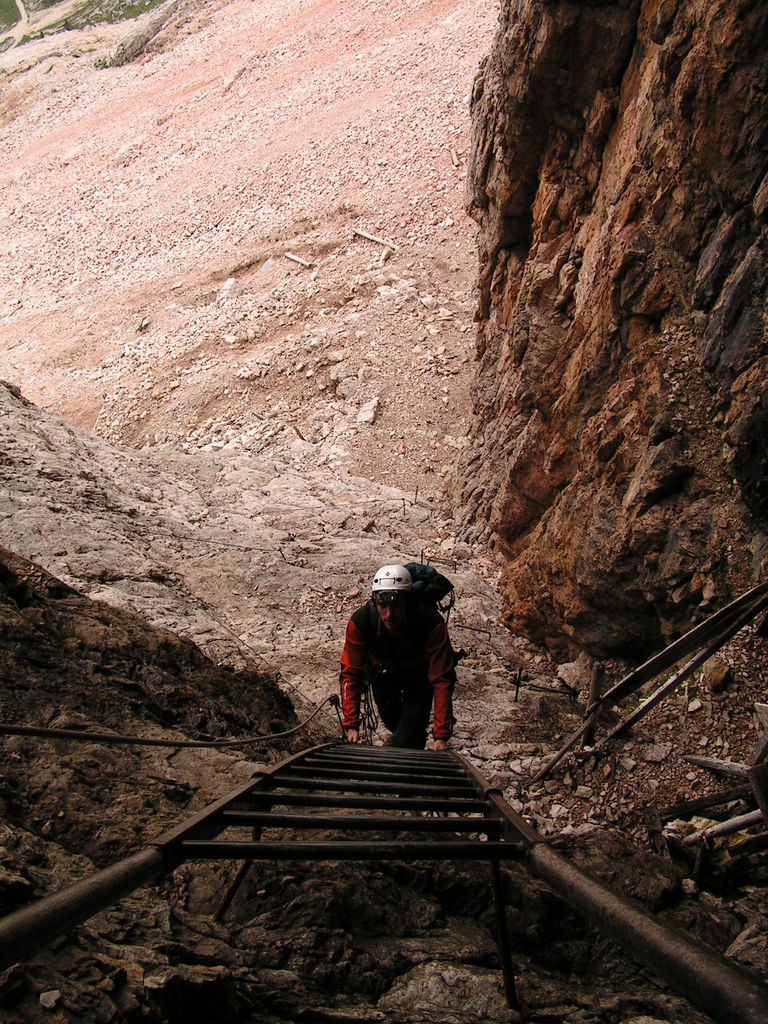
x=117, y=738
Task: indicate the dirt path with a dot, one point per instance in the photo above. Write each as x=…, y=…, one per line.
x=19, y=30
x=39, y=21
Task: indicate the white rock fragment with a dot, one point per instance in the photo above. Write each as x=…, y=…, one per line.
x=368, y=411
x=227, y=289
x=50, y=998
x=658, y=752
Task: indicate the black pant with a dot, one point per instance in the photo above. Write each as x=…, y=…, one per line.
x=405, y=711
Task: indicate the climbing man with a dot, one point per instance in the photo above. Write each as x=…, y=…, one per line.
x=399, y=646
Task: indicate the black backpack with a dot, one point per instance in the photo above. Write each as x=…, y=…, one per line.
x=431, y=587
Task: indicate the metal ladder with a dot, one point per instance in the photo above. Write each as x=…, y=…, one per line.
x=409, y=805
x=434, y=803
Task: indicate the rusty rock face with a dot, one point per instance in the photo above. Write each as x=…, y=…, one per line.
x=618, y=176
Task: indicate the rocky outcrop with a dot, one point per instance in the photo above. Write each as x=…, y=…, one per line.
x=618, y=176
x=70, y=663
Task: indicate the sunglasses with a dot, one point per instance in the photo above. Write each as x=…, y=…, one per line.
x=389, y=597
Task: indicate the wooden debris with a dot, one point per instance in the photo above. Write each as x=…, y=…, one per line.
x=758, y=780
x=704, y=846
x=374, y=238
x=454, y=158
x=713, y=764
x=710, y=634
x=725, y=828
x=744, y=860
x=687, y=808
x=744, y=849
x=572, y=740
x=674, y=680
x=752, y=844
x=735, y=813
x=297, y=259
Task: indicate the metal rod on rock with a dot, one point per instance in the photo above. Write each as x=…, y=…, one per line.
x=741, y=611
x=673, y=682
x=25, y=930
x=708, y=980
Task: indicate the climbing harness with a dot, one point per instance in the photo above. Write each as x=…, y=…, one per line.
x=369, y=719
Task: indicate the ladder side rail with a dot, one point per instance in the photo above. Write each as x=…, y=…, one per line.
x=514, y=827
x=711, y=982
x=207, y=822
x=26, y=929
x=714, y=984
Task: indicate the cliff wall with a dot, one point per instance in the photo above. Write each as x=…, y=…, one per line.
x=618, y=177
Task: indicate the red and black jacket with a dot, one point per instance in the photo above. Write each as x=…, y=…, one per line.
x=420, y=655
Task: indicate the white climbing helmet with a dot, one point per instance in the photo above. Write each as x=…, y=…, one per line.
x=392, y=577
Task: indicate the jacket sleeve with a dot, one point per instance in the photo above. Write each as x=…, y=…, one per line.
x=354, y=659
x=442, y=677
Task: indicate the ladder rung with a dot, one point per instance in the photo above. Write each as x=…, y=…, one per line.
x=361, y=822
x=351, y=850
x=439, y=805
x=352, y=786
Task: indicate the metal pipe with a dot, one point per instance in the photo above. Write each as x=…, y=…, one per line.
x=502, y=936
x=715, y=985
x=382, y=756
x=360, y=750
x=29, y=928
x=379, y=765
x=390, y=755
x=232, y=890
x=234, y=886
x=322, y=765
x=513, y=826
